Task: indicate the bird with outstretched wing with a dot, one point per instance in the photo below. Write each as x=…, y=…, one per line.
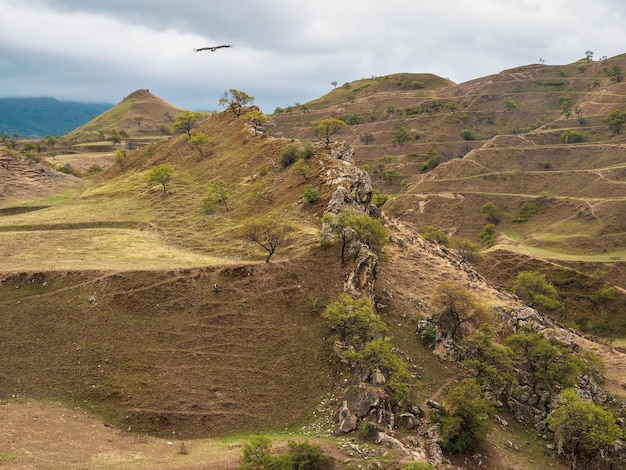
x=212, y=48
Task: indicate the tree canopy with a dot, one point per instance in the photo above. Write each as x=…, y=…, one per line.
x=236, y=100
x=326, y=128
x=161, y=174
x=269, y=234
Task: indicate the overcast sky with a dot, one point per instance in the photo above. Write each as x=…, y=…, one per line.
x=284, y=51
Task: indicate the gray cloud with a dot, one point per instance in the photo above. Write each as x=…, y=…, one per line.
x=284, y=51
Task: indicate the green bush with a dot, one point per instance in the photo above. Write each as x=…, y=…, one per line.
x=289, y=155
x=468, y=135
x=256, y=455
x=310, y=194
x=573, y=136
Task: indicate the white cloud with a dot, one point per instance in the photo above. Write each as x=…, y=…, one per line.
x=284, y=51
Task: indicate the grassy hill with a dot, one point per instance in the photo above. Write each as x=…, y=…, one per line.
x=142, y=308
x=499, y=140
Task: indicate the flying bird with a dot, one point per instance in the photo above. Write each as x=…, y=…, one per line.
x=212, y=48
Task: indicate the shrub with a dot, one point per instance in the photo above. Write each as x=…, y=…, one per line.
x=468, y=135
x=488, y=235
x=310, y=194
x=433, y=234
x=289, y=155
x=353, y=321
x=492, y=213
x=572, y=136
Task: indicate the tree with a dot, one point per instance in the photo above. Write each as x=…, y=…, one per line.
x=334, y=83
x=353, y=321
x=389, y=174
x=236, y=100
x=582, y=430
x=217, y=193
x=565, y=105
x=456, y=309
x=589, y=55
x=616, y=120
x=509, y=104
x=615, y=72
x=256, y=118
x=269, y=234
x=488, y=235
x=489, y=362
x=533, y=289
x=139, y=120
x=492, y=213
x=161, y=174
x=402, y=136
x=326, y=128
x=198, y=141
x=467, y=419
x=348, y=225
x=185, y=122
x=468, y=250
x=551, y=364
x=299, y=168
x=120, y=158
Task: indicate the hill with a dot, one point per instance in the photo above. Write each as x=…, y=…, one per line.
x=499, y=140
x=148, y=307
x=38, y=117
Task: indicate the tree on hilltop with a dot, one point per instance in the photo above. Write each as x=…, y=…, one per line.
x=256, y=118
x=236, y=100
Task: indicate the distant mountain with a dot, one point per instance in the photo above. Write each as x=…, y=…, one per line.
x=38, y=117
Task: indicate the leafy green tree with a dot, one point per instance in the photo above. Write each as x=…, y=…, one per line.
x=390, y=174
x=350, y=225
x=185, y=122
x=489, y=362
x=256, y=455
x=269, y=234
x=120, y=158
x=217, y=193
x=299, y=169
x=402, y=136
x=456, y=309
x=615, y=72
x=551, y=364
x=161, y=174
x=488, y=235
x=467, y=421
x=533, y=288
x=493, y=214
x=565, y=105
x=616, y=120
x=353, y=321
x=198, y=141
x=468, y=250
x=509, y=104
x=326, y=128
x=256, y=118
x=582, y=430
x=236, y=100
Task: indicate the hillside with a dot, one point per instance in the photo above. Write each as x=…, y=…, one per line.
x=144, y=308
x=38, y=117
x=498, y=140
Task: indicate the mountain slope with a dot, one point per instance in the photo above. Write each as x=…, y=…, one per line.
x=38, y=117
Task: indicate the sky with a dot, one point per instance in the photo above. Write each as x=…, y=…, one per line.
x=283, y=51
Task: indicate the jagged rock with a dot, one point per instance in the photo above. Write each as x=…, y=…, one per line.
x=435, y=453
x=525, y=413
x=434, y=434
x=343, y=152
x=407, y=421
x=361, y=399
x=385, y=439
x=360, y=282
x=347, y=420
